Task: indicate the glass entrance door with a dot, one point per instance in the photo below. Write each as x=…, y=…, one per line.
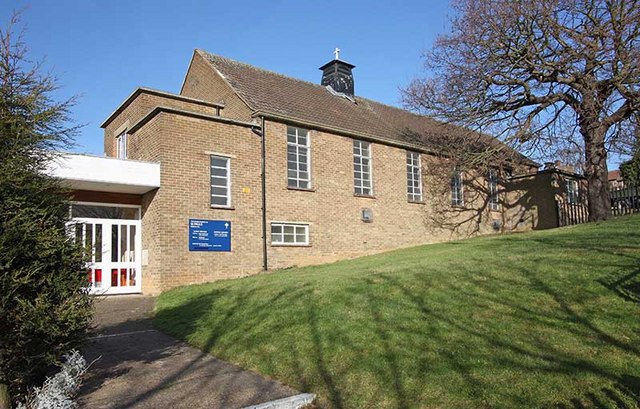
x=115, y=253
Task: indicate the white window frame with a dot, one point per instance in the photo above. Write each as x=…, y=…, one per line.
x=296, y=181
x=359, y=187
x=414, y=169
x=493, y=196
x=228, y=181
x=573, y=193
x=121, y=146
x=457, y=189
x=296, y=226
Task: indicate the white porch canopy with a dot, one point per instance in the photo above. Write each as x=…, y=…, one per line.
x=104, y=174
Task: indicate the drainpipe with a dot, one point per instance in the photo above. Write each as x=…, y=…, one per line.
x=265, y=265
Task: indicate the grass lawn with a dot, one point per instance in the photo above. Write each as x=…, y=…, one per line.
x=542, y=319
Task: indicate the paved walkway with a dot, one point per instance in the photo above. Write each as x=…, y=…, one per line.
x=139, y=367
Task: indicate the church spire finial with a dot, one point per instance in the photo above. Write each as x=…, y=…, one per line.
x=337, y=73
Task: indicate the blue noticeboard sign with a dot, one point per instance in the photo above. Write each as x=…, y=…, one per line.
x=209, y=235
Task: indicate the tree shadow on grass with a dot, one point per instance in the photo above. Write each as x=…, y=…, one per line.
x=402, y=355
x=623, y=394
x=331, y=385
x=625, y=285
x=553, y=360
x=389, y=351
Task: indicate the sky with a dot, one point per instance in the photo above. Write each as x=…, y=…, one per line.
x=101, y=51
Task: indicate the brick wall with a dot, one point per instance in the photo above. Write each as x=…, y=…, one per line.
x=182, y=145
x=185, y=194
x=533, y=197
x=137, y=109
x=330, y=208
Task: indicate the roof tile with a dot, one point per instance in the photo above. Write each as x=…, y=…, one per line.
x=272, y=93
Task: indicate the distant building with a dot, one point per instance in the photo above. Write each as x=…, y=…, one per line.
x=615, y=180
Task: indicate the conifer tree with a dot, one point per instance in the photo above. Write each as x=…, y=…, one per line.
x=45, y=309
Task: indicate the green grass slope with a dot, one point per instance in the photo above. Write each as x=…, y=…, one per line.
x=542, y=319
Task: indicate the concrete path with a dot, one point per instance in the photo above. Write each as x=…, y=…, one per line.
x=139, y=367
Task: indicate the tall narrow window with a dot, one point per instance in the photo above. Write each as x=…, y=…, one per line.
x=492, y=182
x=220, y=181
x=457, y=198
x=121, y=146
x=414, y=177
x=298, y=160
x=573, y=196
x=362, y=168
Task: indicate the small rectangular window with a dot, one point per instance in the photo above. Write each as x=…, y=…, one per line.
x=573, y=195
x=362, y=180
x=121, y=146
x=457, y=198
x=220, y=181
x=414, y=177
x=298, y=158
x=492, y=186
x=290, y=234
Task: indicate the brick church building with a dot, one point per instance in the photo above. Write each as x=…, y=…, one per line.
x=247, y=170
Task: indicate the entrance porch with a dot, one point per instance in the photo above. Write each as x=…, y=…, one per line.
x=106, y=216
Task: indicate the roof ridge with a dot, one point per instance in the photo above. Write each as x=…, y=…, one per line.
x=319, y=86
x=257, y=68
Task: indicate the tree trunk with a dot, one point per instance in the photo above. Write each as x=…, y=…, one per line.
x=596, y=172
x=5, y=402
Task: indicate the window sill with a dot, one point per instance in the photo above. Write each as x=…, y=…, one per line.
x=289, y=245
x=418, y=202
x=222, y=207
x=364, y=196
x=302, y=189
x=460, y=206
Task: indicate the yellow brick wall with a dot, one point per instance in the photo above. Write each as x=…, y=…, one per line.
x=184, y=193
x=533, y=198
x=332, y=209
x=138, y=109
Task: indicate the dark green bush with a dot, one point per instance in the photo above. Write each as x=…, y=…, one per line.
x=43, y=302
x=45, y=310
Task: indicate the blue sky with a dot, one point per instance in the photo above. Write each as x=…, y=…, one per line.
x=102, y=50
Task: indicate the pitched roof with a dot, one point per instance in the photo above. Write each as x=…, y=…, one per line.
x=613, y=175
x=271, y=94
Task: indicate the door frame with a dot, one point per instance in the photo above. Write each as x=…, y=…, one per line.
x=106, y=264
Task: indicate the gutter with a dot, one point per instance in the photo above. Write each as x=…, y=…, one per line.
x=344, y=132
x=158, y=93
x=545, y=171
x=193, y=114
x=372, y=138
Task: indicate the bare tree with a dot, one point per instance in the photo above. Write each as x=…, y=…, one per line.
x=560, y=73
